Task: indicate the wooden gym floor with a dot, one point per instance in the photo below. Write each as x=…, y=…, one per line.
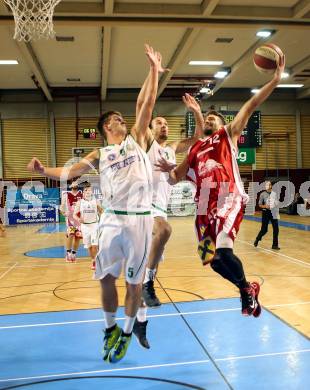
x=29, y=284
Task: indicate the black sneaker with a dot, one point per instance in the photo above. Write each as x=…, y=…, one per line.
x=256, y=243
x=139, y=330
x=149, y=295
x=276, y=247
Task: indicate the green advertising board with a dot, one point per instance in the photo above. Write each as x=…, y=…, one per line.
x=246, y=156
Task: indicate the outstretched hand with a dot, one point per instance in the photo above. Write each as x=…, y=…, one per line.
x=280, y=68
x=161, y=69
x=151, y=55
x=164, y=165
x=35, y=166
x=191, y=103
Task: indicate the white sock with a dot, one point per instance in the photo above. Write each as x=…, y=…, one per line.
x=109, y=319
x=141, y=314
x=128, y=326
x=149, y=274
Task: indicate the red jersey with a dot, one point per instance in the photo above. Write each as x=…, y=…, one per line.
x=72, y=199
x=70, y=202
x=214, y=160
x=220, y=193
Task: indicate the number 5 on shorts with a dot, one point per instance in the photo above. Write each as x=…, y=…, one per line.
x=130, y=272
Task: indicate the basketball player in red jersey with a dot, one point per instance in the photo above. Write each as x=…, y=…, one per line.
x=73, y=235
x=211, y=163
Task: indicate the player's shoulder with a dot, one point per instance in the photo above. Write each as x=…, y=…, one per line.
x=196, y=145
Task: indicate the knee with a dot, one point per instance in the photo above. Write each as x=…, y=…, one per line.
x=134, y=289
x=108, y=281
x=220, y=259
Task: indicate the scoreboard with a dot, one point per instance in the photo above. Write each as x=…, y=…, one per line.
x=89, y=133
x=251, y=136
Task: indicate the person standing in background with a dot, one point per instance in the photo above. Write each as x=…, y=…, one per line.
x=73, y=234
x=268, y=203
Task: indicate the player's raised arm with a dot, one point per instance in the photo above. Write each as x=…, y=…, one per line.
x=236, y=127
x=145, y=86
x=193, y=106
x=65, y=173
x=63, y=205
x=141, y=128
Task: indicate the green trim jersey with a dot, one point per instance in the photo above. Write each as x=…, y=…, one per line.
x=161, y=187
x=126, y=179
x=89, y=211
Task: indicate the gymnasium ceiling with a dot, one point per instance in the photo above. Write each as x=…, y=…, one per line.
x=107, y=55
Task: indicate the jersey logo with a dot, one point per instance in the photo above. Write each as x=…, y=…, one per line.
x=208, y=166
x=111, y=156
x=122, y=164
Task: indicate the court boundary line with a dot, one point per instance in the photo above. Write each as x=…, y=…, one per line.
x=9, y=270
x=149, y=316
x=290, y=259
x=229, y=358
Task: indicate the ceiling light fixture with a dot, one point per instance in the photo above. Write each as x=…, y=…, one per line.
x=205, y=90
x=290, y=86
x=285, y=75
x=8, y=62
x=221, y=74
x=205, y=63
x=264, y=33
x=255, y=90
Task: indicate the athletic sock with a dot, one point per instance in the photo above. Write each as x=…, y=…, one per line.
x=149, y=275
x=128, y=326
x=109, y=319
x=141, y=314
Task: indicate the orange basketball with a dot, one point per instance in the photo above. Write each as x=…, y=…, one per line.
x=267, y=57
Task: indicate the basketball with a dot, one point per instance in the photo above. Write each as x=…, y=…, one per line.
x=267, y=57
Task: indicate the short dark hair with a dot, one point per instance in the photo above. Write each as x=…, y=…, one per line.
x=218, y=114
x=86, y=184
x=104, y=118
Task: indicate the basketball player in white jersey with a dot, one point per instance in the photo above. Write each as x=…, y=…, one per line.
x=158, y=148
x=86, y=212
x=125, y=228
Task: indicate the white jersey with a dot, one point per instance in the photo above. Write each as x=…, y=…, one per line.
x=126, y=177
x=161, y=187
x=89, y=211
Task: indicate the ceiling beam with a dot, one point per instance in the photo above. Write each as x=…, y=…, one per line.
x=78, y=8
x=180, y=21
x=300, y=66
x=252, y=12
x=301, y=9
x=108, y=7
x=157, y=9
x=106, y=50
x=208, y=6
x=183, y=47
x=32, y=61
x=207, y=9
x=244, y=58
x=304, y=93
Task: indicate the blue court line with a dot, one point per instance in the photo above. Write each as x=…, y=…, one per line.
x=299, y=226
x=53, y=228
x=252, y=353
